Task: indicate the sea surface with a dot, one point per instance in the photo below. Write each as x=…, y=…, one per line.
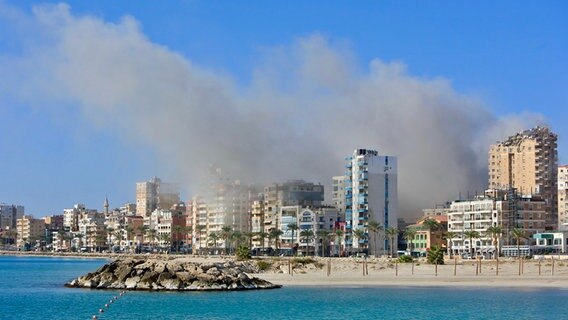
x=32, y=288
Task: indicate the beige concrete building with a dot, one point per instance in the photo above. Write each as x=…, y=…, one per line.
x=527, y=162
x=29, y=230
x=563, y=197
x=155, y=194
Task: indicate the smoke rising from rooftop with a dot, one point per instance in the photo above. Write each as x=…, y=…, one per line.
x=307, y=107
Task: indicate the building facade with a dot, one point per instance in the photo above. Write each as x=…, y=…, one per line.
x=9, y=215
x=563, y=197
x=290, y=193
x=494, y=209
x=527, y=163
x=30, y=231
x=155, y=194
x=370, y=195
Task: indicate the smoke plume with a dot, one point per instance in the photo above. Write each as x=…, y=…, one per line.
x=306, y=108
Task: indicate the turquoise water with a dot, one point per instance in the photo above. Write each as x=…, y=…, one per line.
x=31, y=288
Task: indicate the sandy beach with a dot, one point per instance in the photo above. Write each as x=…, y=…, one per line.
x=349, y=272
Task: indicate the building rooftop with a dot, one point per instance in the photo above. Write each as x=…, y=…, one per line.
x=533, y=133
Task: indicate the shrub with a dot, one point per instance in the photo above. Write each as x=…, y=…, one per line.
x=300, y=260
x=243, y=253
x=405, y=259
x=263, y=265
x=436, y=255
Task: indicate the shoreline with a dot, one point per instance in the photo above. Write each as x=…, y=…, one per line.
x=348, y=272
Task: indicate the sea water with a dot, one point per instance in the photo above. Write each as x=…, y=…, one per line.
x=32, y=288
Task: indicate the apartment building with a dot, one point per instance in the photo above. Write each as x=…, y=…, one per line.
x=563, y=197
x=9, y=215
x=30, y=231
x=528, y=163
x=290, y=193
x=370, y=195
x=494, y=208
x=154, y=194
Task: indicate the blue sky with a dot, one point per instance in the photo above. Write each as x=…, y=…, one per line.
x=511, y=56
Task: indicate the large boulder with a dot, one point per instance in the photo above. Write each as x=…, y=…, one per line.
x=176, y=275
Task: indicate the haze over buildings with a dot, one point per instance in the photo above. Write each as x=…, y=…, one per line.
x=307, y=97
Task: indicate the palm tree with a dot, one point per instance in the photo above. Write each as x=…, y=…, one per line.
x=249, y=235
x=324, y=235
x=392, y=233
x=176, y=235
x=199, y=229
x=518, y=234
x=307, y=235
x=359, y=234
x=236, y=238
x=262, y=235
x=129, y=234
x=226, y=232
x=471, y=234
x=495, y=232
x=214, y=236
x=275, y=234
x=431, y=224
x=109, y=232
x=152, y=236
x=375, y=228
x=117, y=235
x=293, y=227
x=449, y=236
x=80, y=237
x=409, y=235
x=339, y=234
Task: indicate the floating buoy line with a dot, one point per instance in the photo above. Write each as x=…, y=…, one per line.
x=107, y=305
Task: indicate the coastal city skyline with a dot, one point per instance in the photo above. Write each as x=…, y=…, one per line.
x=79, y=147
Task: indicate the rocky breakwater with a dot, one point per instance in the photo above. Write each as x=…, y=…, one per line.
x=176, y=275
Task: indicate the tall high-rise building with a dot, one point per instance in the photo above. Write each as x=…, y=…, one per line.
x=563, y=197
x=526, y=164
x=154, y=194
x=370, y=194
x=9, y=214
x=338, y=194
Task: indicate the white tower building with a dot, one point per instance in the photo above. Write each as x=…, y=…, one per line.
x=370, y=194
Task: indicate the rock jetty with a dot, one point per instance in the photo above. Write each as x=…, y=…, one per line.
x=174, y=275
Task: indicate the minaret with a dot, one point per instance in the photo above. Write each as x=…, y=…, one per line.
x=106, y=206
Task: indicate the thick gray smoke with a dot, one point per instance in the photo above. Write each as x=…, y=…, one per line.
x=306, y=109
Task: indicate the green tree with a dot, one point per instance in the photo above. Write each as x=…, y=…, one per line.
x=152, y=233
x=275, y=235
x=435, y=255
x=262, y=235
x=307, y=236
x=431, y=224
x=214, y=237
x=518, y=234
x=226, y=233
x=199, y=229
x=495, y=232
x=392, y=233
x=324, y=235
x=176, y=235
x=409, y=235
x=449, y=236
x=471, y=234
x=293, y=227
x=374, y=227
x=359, y=235
x=339, y=234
